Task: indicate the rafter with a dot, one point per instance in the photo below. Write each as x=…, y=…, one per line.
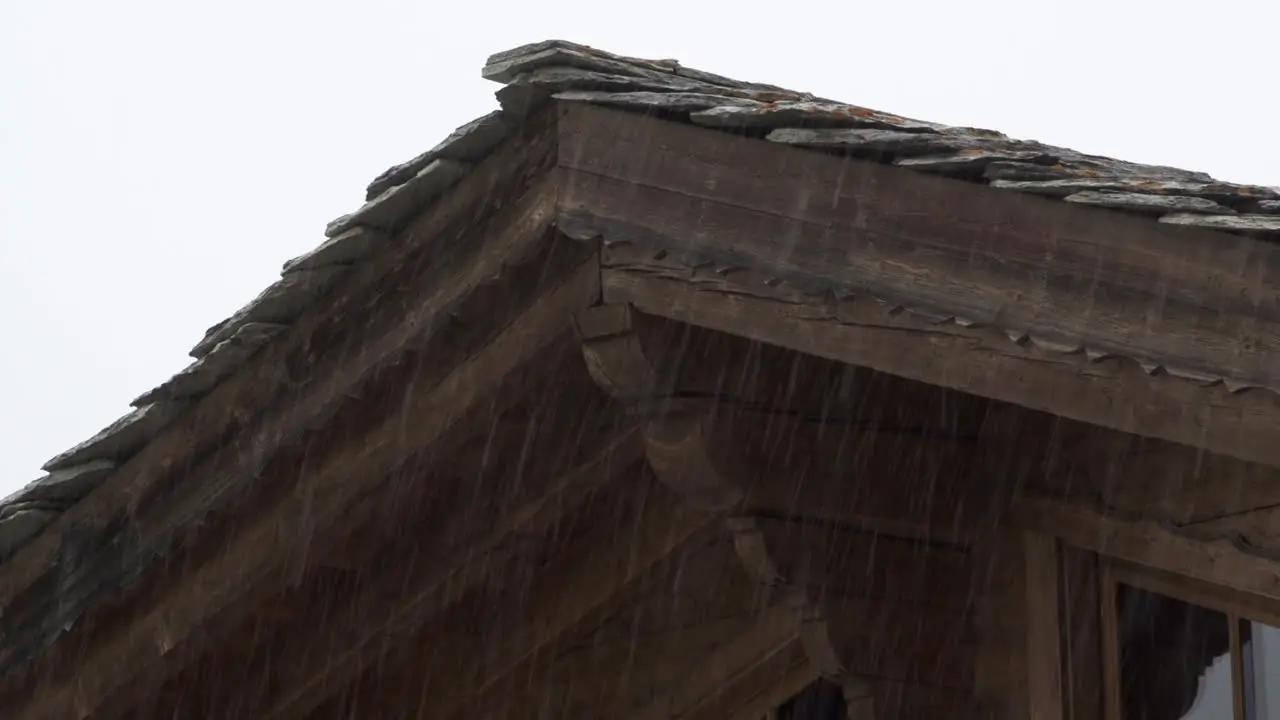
x=596, y=578
x=337, y=636
x=760, y=697
x=438, y=512
x=769, y=634
x=670, y=624
x=276, y=538
x=216, y=451
x=628, y=536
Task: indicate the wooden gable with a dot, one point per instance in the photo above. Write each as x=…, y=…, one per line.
x=611, y=415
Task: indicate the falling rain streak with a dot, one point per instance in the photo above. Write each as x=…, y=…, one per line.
x=658, y=394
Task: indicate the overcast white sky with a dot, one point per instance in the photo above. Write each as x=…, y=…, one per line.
x=160, y=160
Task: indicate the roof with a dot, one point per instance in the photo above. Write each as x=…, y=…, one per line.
x=567, y=72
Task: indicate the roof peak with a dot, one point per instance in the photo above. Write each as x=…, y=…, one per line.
x=560, y=70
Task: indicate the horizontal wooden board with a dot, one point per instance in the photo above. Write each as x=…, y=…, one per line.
x=1182, y=305
x=1112, y=393
x=1200, y=300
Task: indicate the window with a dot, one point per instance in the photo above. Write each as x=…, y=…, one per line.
x=1179, y=649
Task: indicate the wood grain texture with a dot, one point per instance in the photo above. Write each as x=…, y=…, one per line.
x=1113, y=393
x=1082, y=641
x=272, y=538
x=763, y=696
x=1044, y=633
x=579, y=586
x=1094, y=316
x=1148, y=543
x=341, y=637
x=698, y=456
x=205, y=459
x=1201, y=305
x=676, y=443
x=862, y=627
x=1147, y=478
x=619, y=661
x=1001, y=663
x=768, y=635
x=833, y=442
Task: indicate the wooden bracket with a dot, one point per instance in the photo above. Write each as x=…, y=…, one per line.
x=628, y=364
x=796, y=569
x=676, y=436
x=810, y=614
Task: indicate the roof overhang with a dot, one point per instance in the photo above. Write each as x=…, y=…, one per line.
x=1098, y=316
x=425, y=334
x=1113, y=320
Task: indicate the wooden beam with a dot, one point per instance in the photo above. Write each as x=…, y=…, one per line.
x=763, y=699
x=436, y=561
x=218, y=448
x=882, y=478
x=768, y=635
x=678, y=452
x=714, y=668
x=646, y=638
x=1044, y=633
x=1082, y=656
x=1217, y=560
x=1135, y=475
x=766, y=680
x=831, y=652
x=851, y=563
x=830, y=443
x=685, y=453
x=524, y=468
x=577, y=679
x=608, y=682
x=585, y=581
x=901, y=701
x=550, y=611
x=731, y=374
x=858, y=641
x=695, y=241
x=1107, y=392
x=916, y=701
x=1000, y=624
x=1112, y=282
x=257, y=553
x=843, y=586
x=675, y=442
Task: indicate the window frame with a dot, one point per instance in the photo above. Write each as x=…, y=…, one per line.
x=1239, y=607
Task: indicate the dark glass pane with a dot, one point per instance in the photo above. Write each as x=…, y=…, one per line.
x=1174, y=659
x=1260, y=647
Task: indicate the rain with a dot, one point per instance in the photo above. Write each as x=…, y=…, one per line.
x=657, y=392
